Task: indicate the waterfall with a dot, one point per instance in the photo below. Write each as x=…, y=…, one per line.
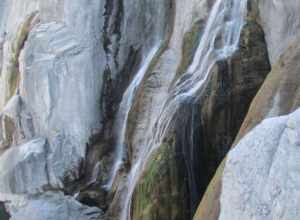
x=219, y=40
x=123, y=112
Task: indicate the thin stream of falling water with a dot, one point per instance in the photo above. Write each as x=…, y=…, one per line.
x=219, y=41
x=123, y=112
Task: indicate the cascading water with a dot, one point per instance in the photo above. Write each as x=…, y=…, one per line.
x=219, y=41
x=123, y=112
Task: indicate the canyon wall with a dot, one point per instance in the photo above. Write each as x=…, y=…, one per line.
x=114, y=109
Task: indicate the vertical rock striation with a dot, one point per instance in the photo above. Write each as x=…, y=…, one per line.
x=123, y=109
x=278, y=94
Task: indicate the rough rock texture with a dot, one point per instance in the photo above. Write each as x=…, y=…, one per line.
x=53, y=206
x=16, y=124
x=24, y=168
x=261, y=176
x=187, y=16
x=204, y=131
x=163, y=182
x=227, y=97
x=230, y=91
x=64, y=65
x=278, y=96
x=281, y=23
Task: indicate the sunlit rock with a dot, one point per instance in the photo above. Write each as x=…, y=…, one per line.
x=261, y=176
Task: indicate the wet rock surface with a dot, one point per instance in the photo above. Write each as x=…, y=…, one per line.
x=66, y=67
x=277, y=96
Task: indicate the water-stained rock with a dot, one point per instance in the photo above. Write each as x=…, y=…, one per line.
x=162, y=192
x=277, y=96
x=230, y=90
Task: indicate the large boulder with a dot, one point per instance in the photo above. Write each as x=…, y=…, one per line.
x=54, y=206
x=261, y=176
x=24, y=168
x=278, y=96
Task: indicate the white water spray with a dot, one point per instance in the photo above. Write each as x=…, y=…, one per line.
x=219, y=41
x=123, y=112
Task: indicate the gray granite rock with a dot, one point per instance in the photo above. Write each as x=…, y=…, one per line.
x=16, y=124
x=55, y=206
x=261, y=178
x=53, y=56
x=280, y=20
x=23, y=168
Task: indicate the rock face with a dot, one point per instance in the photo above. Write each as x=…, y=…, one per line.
x=24, y=168
x=55, y=207
x=187, y=71
x=277, y=96
x=204, y=131
x=163, y=181
x=261, y=176
x=281, y=23
x=279, y=93
x=61, y=63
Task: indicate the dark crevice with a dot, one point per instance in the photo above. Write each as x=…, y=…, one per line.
x=4, y=215
x=207, y=126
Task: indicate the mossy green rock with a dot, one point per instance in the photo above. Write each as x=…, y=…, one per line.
x=160, y=192
x=3, y=213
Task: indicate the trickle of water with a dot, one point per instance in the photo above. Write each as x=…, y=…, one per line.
x=220, y=40
x=123, y=112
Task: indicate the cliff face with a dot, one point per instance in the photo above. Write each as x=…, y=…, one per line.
x=113, y=109
x=273, y=147
x=277, y=96
x=64, y=67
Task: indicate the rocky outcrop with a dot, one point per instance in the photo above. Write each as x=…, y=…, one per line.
x=54, y=206
x=161, y=74
x=24, y=168
x=162, y=182
x=16, y=124
x=204, y=131
x=64, y=67
x=278, y=96
x=261, y=176
x=231, y=89
x=281, y=23
x=71, y=149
